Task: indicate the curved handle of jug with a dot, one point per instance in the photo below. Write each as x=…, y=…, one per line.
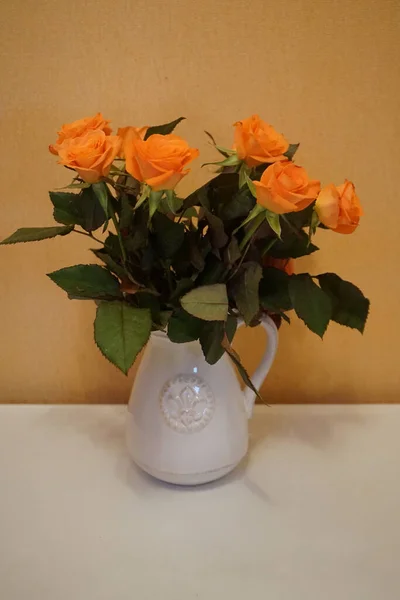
x=265, y=364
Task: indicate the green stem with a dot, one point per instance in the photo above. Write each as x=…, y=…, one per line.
x=114, y=184
x=239, y=264
x=90, y=235
x=257, y=221
x=269, y=246
x=118, y=172
x=116, y=225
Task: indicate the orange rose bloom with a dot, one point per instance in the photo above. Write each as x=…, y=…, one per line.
x=91, y=155
x=283, y=264
x=285, y=187
x=256, y=142
x=124, y=132
x=159, y=161
x=339, y=208
x=78, y=128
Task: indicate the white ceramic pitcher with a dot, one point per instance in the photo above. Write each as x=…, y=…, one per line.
x=187, y=420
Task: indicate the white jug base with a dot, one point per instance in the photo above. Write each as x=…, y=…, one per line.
x=188, y=478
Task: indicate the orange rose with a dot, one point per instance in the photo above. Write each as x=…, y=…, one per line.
x=256, y=142
x=78, y=128
x=124, y=132
x=91, y=155
x=283, y=264
x=285, y=187
x=159, y=161
x=339, y=208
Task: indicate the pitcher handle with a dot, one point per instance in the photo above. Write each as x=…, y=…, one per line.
x=265, y=364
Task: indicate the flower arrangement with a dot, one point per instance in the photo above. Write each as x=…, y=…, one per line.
x=193, y=266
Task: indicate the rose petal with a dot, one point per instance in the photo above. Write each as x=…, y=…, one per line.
x=165, y=181
x=271, y=201
x=88, y=175
x=327, y=206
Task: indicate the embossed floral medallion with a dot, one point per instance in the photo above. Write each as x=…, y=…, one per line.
x=187, y=403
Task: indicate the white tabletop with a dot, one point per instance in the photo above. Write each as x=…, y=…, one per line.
x=313, y=514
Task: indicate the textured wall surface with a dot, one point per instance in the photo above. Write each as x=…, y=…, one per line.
x=324, y=73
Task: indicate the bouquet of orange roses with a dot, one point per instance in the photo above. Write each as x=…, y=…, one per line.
x=193, y=266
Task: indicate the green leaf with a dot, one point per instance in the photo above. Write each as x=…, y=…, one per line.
x=238, y=205
x=230, y=327
x=245, y=291
x=292, y=246
x=169, y=235
x=230, y=161
x=112, y=246
x=93, y=215
x=196, y=256
x=83, y=209
x=217, y=231
x=66, y=208
x=310, y=302
x=126, y=214
x=212, y=335
x=102, y=193
x=86, y=281
x=197, y=198
x=143, y=196
x=121, y=331
x=210, y=135
x=314, y=223
x=182, y=286
x=255, y=212
x=252, y=228
x=220, y=190
x=207, y=302
x=291, y=151
x=224, y=151
x=35, y=234
x=213, y=271
x=183, y=327
x=189, y=213
x=232, y=252
x=173, y=203
x=301, y=218
x=244, y=173
x=76, y=186
x=274, y=222
x=350, y=306
x=154, y=202
x=163, y=129
x=242, y=371
x=250, y=185
x=111, y=263
x=164, y=317
x=274, y=290
x=150, y=302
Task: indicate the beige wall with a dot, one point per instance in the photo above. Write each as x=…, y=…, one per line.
x=324, y=72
